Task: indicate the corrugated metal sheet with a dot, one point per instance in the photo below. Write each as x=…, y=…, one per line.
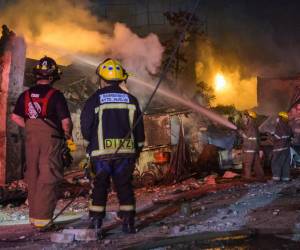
x=157, y=130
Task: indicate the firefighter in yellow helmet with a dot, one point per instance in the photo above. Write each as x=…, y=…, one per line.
x=281, y=157
x=112, y=71
x=112, y=124
x=250, y=135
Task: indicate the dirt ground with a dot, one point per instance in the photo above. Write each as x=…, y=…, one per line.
x=185, y=215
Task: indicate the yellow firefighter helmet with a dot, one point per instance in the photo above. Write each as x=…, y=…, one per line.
x=112, y=70
x=284, y=115
x=251, y=113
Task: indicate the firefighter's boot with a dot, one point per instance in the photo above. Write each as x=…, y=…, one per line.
x=96, y=223
x=128, y=225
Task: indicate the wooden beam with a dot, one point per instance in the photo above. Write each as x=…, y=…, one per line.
x=5, y=63
x=12, y=66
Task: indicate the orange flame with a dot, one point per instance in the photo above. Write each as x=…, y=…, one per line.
x=228, y=85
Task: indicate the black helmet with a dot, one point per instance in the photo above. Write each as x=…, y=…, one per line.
x=46, y=69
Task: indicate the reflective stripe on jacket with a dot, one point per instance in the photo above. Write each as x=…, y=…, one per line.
x=107, y=118
x=250, y=137
x=282, y=136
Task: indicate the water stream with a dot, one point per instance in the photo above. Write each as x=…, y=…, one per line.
x=168, y=93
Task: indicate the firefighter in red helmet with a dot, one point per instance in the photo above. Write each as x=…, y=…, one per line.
x=42, y=110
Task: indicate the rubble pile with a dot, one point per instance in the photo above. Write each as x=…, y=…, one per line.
x=192, y=207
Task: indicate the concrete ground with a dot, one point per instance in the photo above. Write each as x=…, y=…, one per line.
x=239, y=211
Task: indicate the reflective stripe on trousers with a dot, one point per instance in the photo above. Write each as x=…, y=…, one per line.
x=279, y=149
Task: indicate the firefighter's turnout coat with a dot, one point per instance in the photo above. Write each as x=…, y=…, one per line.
x=111, y=121
x=281, y=158
x=250, y=156
x=107, y=118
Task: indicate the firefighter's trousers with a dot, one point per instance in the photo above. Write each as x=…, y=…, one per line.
x=44, y=170
x=251, y=161
x=120, y=170
x=281, y=164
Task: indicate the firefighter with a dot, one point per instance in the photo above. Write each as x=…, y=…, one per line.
x=112, y=124
x=42, y=110
x=251, y=155
x=281, y=157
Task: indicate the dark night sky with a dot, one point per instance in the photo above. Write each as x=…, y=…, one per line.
x=264, y=35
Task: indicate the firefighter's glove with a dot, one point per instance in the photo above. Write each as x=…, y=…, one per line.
x=84, y=163
x=71, y=145
x=86, y=166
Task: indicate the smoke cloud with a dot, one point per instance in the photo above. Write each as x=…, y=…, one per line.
x=60, y=28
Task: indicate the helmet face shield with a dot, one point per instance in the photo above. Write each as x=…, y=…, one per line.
x=112, y=70
x=47, y=69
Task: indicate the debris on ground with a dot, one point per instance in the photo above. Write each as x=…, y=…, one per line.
x=210, y=180
x=230, y=175
x=192, y=207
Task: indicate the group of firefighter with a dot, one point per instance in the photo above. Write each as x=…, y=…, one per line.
x=252, y=154
x=112, y=123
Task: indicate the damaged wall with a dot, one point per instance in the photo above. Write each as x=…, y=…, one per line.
x=12, y=63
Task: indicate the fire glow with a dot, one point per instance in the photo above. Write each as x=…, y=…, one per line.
x=230, y=85
x=220, y=82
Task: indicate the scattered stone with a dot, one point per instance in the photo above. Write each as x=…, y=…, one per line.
x=82, y=234
x=165, y=228
x=177, y=229
x=230, y=175
x=229, y=211
x=62, y=238
x=10, y=205
x=22, y=217
x=107, y=242
x=210, y=180
x=186, y=209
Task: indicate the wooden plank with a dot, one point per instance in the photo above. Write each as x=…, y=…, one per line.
x=15, y=142
x=5, y=63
